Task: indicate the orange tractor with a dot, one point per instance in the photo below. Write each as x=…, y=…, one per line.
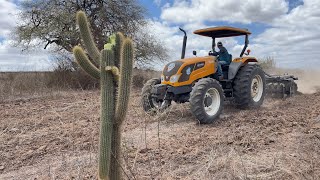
x=196, y=80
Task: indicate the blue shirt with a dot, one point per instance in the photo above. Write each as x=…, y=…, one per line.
x=223, y=55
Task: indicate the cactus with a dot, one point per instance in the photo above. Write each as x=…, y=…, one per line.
x=115, y=74
x=126, y=55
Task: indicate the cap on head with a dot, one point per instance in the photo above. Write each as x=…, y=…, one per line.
x=219, y=44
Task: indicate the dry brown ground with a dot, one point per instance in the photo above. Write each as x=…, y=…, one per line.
x=56, y=137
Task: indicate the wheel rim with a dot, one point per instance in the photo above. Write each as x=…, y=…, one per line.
x=211, y=101
x=256, y=88
x=158, y=104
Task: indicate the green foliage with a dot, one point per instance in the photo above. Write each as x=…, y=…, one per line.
x=113, y=78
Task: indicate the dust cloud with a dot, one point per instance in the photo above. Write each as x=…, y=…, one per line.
x=309, y=81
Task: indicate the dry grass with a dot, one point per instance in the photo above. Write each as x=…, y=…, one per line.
x=57, y=138
x=32, y=84
x=267, y=64
x=18, y=85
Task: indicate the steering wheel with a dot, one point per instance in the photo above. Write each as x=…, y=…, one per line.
x=212, y=54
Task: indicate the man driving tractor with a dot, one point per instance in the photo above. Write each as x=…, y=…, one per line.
x=195, y=80
x=224, y=58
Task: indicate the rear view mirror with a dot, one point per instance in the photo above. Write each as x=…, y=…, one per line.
x=194, y=53
x=248, y=52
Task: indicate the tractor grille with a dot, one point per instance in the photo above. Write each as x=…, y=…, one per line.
x=171, y=69
x=185, y=73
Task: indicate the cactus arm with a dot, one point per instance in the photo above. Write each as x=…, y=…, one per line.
x=86, y=35
x=119, y=42
x=126, y=66
x=115, y=72
x=85, y=63
x=107, y=114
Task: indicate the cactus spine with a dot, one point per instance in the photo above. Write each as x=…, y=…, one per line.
x=115, y=74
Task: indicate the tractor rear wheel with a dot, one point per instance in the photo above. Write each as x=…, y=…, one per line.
x=206, y=100
x=148, y=102
x=249, y=86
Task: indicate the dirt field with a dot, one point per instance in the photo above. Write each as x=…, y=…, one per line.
x=56, y=137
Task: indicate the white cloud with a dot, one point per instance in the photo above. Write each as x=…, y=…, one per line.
x=157, y=2
x=293, y=38
x=13, y=59
x=8, y=12
x=245, y=11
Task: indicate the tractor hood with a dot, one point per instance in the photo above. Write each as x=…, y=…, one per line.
x=178, y=72
x=197, y=59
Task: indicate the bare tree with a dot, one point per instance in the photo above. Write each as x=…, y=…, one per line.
x=52, y=22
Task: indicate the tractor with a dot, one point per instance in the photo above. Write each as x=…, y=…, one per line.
x=195, y=80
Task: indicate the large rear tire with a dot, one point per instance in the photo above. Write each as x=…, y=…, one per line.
x=249, y=86
x=150, y=103
x=206, y=100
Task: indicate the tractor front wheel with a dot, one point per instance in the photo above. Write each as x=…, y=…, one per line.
x=206, y=100
x=148, y=102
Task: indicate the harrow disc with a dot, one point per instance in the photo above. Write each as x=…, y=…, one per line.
x=281, y=89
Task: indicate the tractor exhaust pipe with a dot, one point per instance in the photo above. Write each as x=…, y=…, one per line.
x=183, y=53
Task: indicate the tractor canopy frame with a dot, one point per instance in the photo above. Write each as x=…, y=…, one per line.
x=224, y=31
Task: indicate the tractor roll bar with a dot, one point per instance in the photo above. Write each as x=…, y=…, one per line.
x=246, y=42
x=213, y=44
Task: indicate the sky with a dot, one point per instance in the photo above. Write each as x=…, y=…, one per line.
x=286, y=30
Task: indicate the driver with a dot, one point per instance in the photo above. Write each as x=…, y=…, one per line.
x=223, y=58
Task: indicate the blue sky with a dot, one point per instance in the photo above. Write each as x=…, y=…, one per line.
x=286, y=30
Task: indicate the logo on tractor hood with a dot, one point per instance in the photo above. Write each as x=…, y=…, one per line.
x=171, y=66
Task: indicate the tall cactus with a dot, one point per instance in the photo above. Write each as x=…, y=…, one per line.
x=115, y=74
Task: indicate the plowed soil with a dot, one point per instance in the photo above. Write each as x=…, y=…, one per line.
x=56, y=137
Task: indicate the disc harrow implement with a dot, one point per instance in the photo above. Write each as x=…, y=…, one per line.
x=281, y=86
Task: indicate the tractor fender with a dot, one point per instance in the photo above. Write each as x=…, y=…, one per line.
x=233, y=69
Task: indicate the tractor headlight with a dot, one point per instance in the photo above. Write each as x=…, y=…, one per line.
x=174, y=78
x=162, y=78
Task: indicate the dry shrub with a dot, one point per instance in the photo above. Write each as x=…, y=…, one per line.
x=26, y=84
x=23, y=84
x=72, y=80
x=140, y=77
x=267, y=64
